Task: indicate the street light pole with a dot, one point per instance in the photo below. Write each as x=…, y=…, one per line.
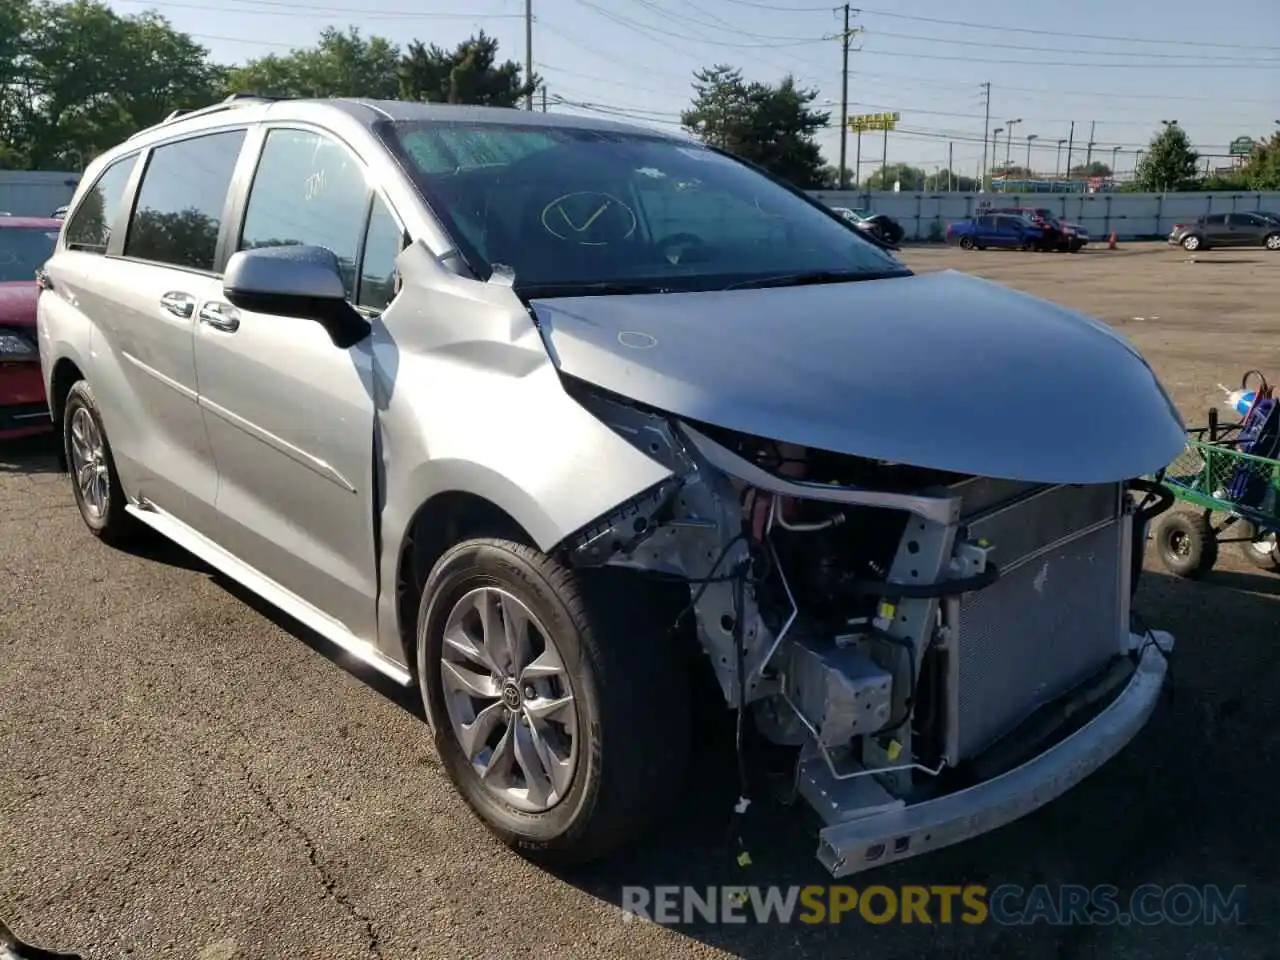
x=995, y=139
x=1057, y=163
x=1030, y=137
x=1008, y=142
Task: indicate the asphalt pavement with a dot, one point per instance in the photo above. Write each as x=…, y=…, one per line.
x=189, y=774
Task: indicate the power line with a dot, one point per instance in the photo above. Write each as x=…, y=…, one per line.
x=1051, y=33
x=1069, y=50
x=627, y=21
x=281, y=8
x=1079, y=64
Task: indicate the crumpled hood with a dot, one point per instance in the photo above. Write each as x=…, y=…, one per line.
x=941, y=370
x=18, y=303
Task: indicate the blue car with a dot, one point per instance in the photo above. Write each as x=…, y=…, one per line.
x=1000, y=230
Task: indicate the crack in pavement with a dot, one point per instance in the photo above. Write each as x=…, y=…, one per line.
x=328, y=883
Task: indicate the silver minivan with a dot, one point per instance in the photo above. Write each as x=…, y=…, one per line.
x=570, y=424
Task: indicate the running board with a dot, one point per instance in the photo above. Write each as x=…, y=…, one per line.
x=270, y=591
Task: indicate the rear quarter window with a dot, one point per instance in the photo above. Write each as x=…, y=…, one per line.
x=89, y=228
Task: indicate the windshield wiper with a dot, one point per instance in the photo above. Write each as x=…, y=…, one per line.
x=813, y=277
x=602, y=288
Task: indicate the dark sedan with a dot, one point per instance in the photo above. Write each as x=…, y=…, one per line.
x=1228, y=230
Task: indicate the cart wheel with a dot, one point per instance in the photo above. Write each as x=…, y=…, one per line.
x=1261, y=549
x=1187, y=544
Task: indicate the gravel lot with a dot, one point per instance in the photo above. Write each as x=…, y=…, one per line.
x=187, y=774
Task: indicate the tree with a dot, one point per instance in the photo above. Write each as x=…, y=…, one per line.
x=129, y=73
x=469, y=73
x=1261, y=170
x=340, y=65
x=908, y=177
x=1169, y=163
x=772, y=126
x=1095, y=168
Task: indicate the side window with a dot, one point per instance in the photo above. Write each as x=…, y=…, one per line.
x=986, y=222
x=90, y=226
x=383, y=243
x=1243, y=220
x=308, y=190
x=1216, y=220
x=179, y=209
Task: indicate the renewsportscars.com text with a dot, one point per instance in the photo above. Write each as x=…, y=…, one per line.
x=1007, y=904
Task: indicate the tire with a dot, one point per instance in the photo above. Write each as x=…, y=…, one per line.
x=615, y=655
x=1186, y=544
x=1191, y=242
x=966, y=243
x=1261, y=549
x=95, y=484
x=1272, y=242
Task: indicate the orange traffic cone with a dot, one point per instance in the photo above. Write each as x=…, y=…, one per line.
x=1111, y=244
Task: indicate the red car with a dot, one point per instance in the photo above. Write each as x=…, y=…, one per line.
x=25, y=244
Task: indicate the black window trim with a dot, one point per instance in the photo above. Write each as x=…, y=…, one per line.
x=247, y=170
x=118, y=238
x=125, y=201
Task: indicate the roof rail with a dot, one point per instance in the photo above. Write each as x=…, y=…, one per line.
x=227, y=103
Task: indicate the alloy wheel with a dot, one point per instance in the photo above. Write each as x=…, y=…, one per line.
x=89, y=463
x=509, y=699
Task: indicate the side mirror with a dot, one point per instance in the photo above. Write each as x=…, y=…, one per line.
x=295, y=281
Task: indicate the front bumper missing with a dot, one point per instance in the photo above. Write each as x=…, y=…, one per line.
x=881, y=838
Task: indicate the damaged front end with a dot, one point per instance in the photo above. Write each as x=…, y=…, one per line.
x=946, y=652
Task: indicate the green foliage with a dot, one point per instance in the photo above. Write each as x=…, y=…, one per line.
x=1095, y=168
x=910, y=178
x=1261, y=169
x=130, y=72
x=470, y=73
x=340, y=65
x=772, y=126
x=1169, y=162
x=76, y=77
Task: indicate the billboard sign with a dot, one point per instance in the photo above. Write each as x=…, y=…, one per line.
x=873, y=121
x=1241, y=146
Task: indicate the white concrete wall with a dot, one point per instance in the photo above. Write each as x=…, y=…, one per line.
x=35, y=193
x=1130, y=215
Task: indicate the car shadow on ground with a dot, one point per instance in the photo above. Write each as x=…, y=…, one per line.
x=36, y=455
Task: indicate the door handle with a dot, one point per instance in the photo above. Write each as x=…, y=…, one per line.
x=179, y=304
x=220, y=316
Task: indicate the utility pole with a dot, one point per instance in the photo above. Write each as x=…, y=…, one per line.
x=1030, y=137
x=1071, y=141
x=528, y=53
x=1088, y=157
x=544, y=98
x=986, y=128
x=1057, y=163
x=950, y=163
x=846, y=38
x=884, y=161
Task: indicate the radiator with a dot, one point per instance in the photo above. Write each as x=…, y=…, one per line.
x=1057, y=614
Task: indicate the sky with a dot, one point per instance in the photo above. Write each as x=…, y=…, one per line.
x=1117, y=69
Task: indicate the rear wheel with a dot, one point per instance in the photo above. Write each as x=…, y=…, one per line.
x=1261, y=549
x=1273, y=241
x=557, y=699
x=966, y=243
x=1187, y=545
x=94, y=481
x=1191, y=242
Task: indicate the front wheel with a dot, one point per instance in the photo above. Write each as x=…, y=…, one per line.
x=557, y=699
x=1187, y=545
x=1262, y=549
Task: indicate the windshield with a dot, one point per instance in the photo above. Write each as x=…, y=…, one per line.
x=23, y=251
x=584, y=209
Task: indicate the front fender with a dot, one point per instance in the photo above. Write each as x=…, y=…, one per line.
x=468, y=401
